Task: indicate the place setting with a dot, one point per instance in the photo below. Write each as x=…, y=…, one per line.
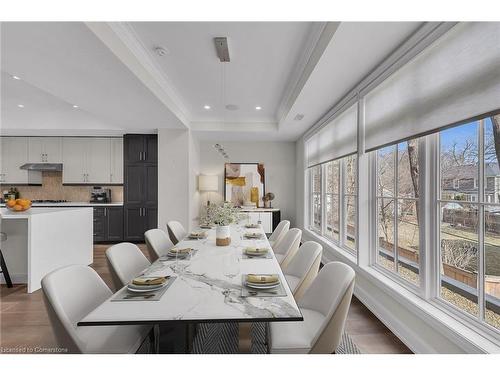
x=197, y=235
x=253, y=252
x=178, y=253
x=252, y=226
x=252, y=235
x=145, y=288
x=262, y=285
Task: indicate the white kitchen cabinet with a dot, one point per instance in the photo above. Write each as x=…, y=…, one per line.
x=14, y=154
x=74, y=152
x=45, y=150
x=88, y=160
x=98, y=161
x=116, y=176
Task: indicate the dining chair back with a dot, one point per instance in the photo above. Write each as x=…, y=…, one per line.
x=158, y=243
x=288, y=246
x=125, y=261
x=303, y=268
x=324, y=307
x=72, y=292
x=279, y=233
x=176, y=231
x=330, y=294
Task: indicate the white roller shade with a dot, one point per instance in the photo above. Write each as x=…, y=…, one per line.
x=454, y=79
x=336, y=139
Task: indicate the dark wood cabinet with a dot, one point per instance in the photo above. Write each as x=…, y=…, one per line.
x=140, y=185
x=108, y=224
x=114, y=217
x=141, y=148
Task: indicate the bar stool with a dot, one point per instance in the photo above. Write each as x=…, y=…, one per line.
x=3, y=266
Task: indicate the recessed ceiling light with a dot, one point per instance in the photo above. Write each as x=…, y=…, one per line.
x=16, y=77
x=207, y=107
x=75, y=106
x=258, y=108
x=20, y=105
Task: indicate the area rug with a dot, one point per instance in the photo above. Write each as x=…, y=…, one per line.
x=222, y=338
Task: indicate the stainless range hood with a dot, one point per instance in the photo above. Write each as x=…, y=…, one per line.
x=50, y=167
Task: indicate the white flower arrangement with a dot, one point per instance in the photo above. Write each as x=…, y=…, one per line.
x=222, y=214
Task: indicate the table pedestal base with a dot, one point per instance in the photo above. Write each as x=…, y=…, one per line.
x=245, y=338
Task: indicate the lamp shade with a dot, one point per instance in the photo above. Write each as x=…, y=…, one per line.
x=208, y=183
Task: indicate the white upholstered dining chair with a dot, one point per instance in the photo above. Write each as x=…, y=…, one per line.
x=125, y=261
x=158, y=243
x=72, y=292
x=287, y=247
x=303, y=268
x=324, y=307
x=279, y=232
x=176, y=231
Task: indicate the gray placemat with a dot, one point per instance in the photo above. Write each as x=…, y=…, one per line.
x=156, y=294
x=261, y=236
x=268, y=255
x=279, y=291
x=166, y=258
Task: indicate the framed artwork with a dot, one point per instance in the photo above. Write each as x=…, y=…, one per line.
x=244, y=183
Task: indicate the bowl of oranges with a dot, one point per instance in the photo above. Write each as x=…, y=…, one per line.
x=18, y=205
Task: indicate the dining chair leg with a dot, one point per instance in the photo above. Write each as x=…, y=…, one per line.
x=5, y=271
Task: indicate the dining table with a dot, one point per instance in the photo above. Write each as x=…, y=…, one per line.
x=208, y=286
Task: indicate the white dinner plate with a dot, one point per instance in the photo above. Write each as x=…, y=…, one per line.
x=150, y=288
x=262, y=286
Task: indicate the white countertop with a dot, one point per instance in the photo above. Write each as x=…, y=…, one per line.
x=7, y=214
x=75, y=204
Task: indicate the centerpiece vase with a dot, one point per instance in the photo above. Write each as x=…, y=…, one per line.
x=222, y=235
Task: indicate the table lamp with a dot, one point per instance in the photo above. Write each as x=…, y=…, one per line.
x=208, y=183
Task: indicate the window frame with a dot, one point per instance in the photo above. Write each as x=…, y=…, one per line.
x=479, y=321
x=341, y=209
x=420, y=288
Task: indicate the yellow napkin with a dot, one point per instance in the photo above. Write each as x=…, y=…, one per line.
x=252, y=234
x=262, y=279
x=256, y=250
x=174, y=250
x=197, y=234
x=149, y=280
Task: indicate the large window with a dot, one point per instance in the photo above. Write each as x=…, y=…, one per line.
x=398, y=210
x=334, y=183
x=315, y=186
x=469, y=219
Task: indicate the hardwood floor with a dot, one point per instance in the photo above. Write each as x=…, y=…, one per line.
x=24, y=325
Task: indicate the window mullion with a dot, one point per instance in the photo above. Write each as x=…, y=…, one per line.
x=481, y=226
x=396, y=209
x=323, y=199
x=341, y=208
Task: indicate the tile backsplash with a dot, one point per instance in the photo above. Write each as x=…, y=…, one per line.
x=53, y=188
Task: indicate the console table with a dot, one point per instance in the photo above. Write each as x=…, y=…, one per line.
x=269, y=218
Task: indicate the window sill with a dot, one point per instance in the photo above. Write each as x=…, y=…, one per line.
x=453, y=328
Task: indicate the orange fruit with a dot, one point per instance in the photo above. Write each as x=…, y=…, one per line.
x=25, y=206
x=18, y=207
x=11, y=203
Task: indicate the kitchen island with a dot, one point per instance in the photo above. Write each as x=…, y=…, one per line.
x=41, y=240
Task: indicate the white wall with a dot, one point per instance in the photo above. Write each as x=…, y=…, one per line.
x=279, y=162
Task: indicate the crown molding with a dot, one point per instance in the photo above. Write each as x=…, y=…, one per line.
x=254, y=127
x=123, y=41
x=318, y=40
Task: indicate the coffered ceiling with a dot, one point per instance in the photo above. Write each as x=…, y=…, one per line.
x=119, y=82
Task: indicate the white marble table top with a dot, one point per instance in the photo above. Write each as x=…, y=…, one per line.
x=202, y=291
